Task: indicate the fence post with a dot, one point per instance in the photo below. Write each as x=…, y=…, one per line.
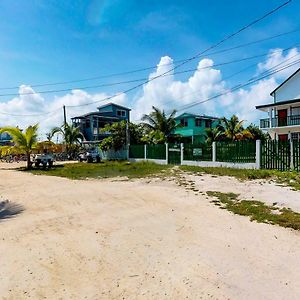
x=167, y=153
x=214, y=152
x=145, y=151
x=257, y=154
x=181, y=153
x=292, y=155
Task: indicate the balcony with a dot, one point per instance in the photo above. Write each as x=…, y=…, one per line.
x=280, y=122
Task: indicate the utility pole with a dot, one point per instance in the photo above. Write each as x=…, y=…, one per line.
x=127, y=134
x=65, y=116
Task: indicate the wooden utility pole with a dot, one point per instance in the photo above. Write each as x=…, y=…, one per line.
x=65, y=116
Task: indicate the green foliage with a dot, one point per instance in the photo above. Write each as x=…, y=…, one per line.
x=71, y=135
x=105, y=170
x=158, y=125
x=154, y=137
x=257, y=133
x=257, y=210
x=117, y=138
x=24, y=142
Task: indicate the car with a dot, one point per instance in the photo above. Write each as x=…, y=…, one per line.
x=43, y=160
x=91, y=155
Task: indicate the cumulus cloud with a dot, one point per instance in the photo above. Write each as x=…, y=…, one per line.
x=166, y=93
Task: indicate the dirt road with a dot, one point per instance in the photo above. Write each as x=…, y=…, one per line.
x=104, y=239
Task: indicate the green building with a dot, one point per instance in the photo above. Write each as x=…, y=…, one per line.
x=192, y=127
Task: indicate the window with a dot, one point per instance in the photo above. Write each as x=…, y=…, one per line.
x=183, y=122
x=208, y=123
x=121, y=113
x=295, y=136
x=198, y=122
x=87, y=123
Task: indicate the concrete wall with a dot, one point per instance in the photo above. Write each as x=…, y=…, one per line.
x=290, y=90
x=156, y=161
x=219, y=164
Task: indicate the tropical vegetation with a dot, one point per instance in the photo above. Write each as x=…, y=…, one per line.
x=24, y=142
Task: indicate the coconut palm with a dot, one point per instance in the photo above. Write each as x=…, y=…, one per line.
x=25, y=141
x=234, y=129
x=71, y=135
x=158, y=121
x=214, y=134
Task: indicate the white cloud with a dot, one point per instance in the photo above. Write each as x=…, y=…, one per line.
x=165, y=93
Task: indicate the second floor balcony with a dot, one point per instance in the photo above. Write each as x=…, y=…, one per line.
x=293, y=120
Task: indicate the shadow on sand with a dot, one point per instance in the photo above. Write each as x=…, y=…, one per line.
x=9, y=209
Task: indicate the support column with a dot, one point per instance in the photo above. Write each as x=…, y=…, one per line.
x=214, y=152
x=292, y=155
x=258, y=154
x=145, y=151
x=167, y=153
x=181, y=153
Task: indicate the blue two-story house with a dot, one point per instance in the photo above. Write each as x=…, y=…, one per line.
x=5, y=139
x=90, y=124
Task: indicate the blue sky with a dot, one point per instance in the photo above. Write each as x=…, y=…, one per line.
x=52, y=41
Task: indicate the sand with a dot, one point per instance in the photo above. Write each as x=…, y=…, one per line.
x=110, y=239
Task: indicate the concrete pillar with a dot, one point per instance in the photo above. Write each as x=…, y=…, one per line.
x=270, y=117
x=145, y=151
x=181, y=153
x=292, y=155
x=258, y=154
x=167, y=153
x=214, y=152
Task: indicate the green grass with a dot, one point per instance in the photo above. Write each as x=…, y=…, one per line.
x=108, y=169
x=291, y=179
x=256, y=210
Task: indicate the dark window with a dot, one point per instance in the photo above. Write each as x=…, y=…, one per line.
x=184, y=122
x=198, y=122
x=121, y=113
x=208, y=123
x=87, y=124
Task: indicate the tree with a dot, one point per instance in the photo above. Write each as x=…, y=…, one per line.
x=257, y=133
x=234, y=130
x=118, y=133
x=71, y=134
x=214, y=134
x=158, y=121
x=24, y=142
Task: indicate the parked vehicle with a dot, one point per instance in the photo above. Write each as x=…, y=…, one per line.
x=91, y=155
x=43, y=160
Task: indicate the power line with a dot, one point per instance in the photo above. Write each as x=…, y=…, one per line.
x=153, y=67
x=240, y=86
x=143, y=79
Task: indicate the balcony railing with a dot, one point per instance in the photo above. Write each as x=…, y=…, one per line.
x=280, y=122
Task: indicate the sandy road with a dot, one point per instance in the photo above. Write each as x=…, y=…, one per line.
x=136, y=240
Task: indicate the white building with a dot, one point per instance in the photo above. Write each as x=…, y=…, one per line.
x=283, y=122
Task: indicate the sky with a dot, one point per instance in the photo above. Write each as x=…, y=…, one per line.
x=50, y=42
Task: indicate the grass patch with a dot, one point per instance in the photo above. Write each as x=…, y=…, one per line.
x=291, y=179
x=108, y=169
x=257, y=210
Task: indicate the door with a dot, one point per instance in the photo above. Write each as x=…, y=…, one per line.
x=282, y=137
x=174, y=154
x=282, y=117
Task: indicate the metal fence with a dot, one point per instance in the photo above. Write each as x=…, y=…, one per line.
x=200, y=152
x=236, y=152
x=156, y=151
x=136, y=151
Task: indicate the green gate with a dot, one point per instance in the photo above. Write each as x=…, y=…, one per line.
x=276, y=155
x=174, y=154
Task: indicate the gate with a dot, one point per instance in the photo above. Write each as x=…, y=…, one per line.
x=276, y=155
x=174, y=154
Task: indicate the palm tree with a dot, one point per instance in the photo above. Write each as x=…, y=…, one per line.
x=214, y=134
x=158, y=121
x=234, y=129
x=24, y=142
x=71, y=135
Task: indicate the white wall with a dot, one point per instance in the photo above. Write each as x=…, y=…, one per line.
x=290, y=90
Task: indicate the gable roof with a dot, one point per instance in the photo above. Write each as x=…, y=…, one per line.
x=272, y=93
x=117, y=105
x=190, y=115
